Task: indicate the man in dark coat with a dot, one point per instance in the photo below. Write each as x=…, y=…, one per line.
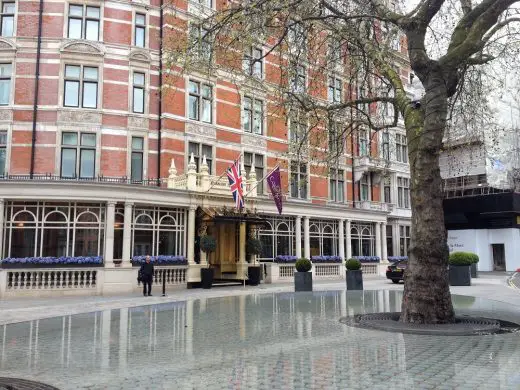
x=146, y=273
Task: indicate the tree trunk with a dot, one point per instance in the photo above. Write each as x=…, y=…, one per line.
x=427, y=297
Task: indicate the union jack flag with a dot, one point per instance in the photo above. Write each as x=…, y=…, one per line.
x=236, y=184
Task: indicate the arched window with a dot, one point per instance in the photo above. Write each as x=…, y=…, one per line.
x=314, y=240
x=328, y=241
x=55, y=234
x=363, y=239
x=168, y=236
x=283, y=239
x=265, y=235
x=23, y=235
x=119, y=223
x=143, y=235
x=87, y=241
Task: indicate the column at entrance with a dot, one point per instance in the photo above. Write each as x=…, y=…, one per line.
x=306, y=238
x=378, y=240
x=349, y=239
x=242, y=264
x=193, y=268
x=127, y=235
x=109, y=237
x=341, y=237
x=298, y=237
x=1, y=226
x=384, y=250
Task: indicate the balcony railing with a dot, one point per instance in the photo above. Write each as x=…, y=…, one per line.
x=374, y=206
x=96, y=179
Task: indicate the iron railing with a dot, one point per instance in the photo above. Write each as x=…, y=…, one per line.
x=148, y=182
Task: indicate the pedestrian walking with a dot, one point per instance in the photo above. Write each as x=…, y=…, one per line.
x=146, y=276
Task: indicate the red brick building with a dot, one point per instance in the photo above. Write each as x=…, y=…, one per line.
x=105, y=146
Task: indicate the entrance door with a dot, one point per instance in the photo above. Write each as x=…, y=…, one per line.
x=226, y=248
x=499, y=257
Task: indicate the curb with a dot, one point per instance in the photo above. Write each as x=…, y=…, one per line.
x=512, y=283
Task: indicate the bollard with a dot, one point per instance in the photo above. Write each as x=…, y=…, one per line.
x=164, y=283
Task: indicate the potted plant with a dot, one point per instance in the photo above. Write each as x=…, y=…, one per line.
x=208, y=244
x=473, y=268
x=354, y=274
x=303, y=278
x=460, y=264
x=254, y=248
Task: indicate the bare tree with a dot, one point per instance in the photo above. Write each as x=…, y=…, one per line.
x=445, y=41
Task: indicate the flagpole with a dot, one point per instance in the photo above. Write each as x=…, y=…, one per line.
x=223, y=173
x=261, y=180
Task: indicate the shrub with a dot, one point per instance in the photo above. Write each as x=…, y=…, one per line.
x=254, y=246
x=303, y=265
x=475, y=258
x=462, y=258
x=353, y=264
x=208, y=244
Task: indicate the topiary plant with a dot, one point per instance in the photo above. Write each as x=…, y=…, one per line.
x=462, y=258
x=475, y=257
x=208, y=244
x=353, y=264
x=303, y=265
x=254, y=246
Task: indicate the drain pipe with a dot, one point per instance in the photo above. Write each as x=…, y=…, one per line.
x=159, y=138
x=36, y=88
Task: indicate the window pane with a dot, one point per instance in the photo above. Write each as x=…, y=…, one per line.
x=72, y=71
x=92, y=28
x=71, y=93
x=76, y=10
x=87, y=163
x=5, y=92
x=139, y=36
x=193, y=87
x=8, y=8
x=140, y=19
x=89, y=95
x=2, y=160
x=207, y=151
x=193, y=148
x=93, y=12
x=75, y=28
x=137, y=166
x=90, y=73
x=137, y=143
x=3, y=137
x=246, y=119
x=7, y=26
x=69, y=139
x=259, y=161
x=139, y=79
x=193, y=105
x=5, y=70
x=88, y=139
x=206, y=111
x=138, y=100
x=68, y=162
x=206, y=91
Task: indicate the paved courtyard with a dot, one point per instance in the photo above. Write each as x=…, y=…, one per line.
x=262, y=337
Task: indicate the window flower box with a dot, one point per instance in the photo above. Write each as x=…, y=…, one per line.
x=52, y=262
x=285, y=259
x=393, y=259
x=160, y=260
x=326, y=259
x=367, y=259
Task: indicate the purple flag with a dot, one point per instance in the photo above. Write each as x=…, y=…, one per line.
x=275, y=185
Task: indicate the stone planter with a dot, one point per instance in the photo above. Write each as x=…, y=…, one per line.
x=303, y=281
x=206, y=277
x=474, y=273
x=460, y=275
x=253, y=274
x=354, y=279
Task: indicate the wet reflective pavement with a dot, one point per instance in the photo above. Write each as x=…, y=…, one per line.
x=265, y=341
